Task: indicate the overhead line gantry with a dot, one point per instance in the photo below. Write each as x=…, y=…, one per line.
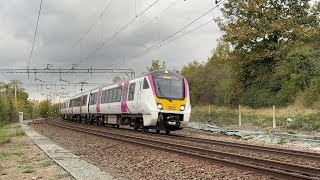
x=128, y=72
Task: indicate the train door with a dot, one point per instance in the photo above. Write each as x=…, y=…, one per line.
x=144, y=96
x=139, y=95
x=133, y=93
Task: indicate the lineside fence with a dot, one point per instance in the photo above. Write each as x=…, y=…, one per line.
x=272, y=117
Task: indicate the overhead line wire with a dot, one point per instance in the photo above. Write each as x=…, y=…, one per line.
x=103, y=12
x=103, y=43
x=35, y=34
x=152, y=19
x=159, y=43
x=132, y=34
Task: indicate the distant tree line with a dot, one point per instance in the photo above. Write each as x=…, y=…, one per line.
x=10, y=104
x=14, y=99
x=269, y=54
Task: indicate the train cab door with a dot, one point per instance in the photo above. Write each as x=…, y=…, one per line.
x=133, y=93
x=139, y=95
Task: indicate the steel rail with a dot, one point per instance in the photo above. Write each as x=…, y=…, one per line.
x=287, y=152
x=267, y=167
x=264, y=149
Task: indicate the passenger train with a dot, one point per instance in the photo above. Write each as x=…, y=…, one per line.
x=157, y=100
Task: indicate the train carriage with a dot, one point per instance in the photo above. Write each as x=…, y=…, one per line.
x=158, y=100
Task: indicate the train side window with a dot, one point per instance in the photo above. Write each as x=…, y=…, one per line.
x=131, y=91
x=145, y=84
x=114, y=94
x=119, y=91
x=109, y=95
x=106, y=97
x=103, y=95
x=93, y=98
x=70, y=104
x=84, y=100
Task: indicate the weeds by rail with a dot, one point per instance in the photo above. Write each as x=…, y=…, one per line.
x=289, y=117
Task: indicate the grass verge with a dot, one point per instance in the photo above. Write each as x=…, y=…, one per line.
x=289, y=118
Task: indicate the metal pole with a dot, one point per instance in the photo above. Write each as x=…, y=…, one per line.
x=274, y=117
x=15, y=93
x=209, y=112
x=239, y=115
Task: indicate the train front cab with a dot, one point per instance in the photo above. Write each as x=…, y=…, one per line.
x=169, y=104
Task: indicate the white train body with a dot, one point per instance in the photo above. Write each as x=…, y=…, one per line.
x=159, y=100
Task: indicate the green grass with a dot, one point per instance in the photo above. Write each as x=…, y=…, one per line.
x=20, y=132
x=303, y=119
x=4, y=132
x=10, y=130
x=24, y=161
x=282, y=141
x=62, y=175
x=46, y=164
x=28, y=169
x=4, y=155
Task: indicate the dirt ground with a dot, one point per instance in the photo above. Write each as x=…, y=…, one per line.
x=21, y=159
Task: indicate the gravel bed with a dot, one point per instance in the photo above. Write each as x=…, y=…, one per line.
x=138, y=162
x=281, y=158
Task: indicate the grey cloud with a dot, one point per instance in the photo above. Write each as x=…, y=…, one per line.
x=62, y=23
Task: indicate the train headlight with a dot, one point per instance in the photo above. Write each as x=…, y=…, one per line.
x=182, y=107
x=159, y=106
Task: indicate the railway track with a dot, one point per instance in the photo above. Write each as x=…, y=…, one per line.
x=263, y=149
x=286, y=152
x=268, y=167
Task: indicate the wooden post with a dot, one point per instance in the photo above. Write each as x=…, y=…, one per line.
x=209, y=112
x=239, y=115
x=274, y=125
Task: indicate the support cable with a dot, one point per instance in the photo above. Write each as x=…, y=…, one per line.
x=118, y=32
x=167, y=38
x=35, y=35
x=87, y=32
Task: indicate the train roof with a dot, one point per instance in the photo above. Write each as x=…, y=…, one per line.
x=136, y=77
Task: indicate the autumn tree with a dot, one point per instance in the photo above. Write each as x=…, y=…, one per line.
x=261, y=34
x=210, y=82
x=116, y=79
x=156, y=65
x=44, y=108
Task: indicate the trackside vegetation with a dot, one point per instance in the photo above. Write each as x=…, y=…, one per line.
x=269, y=55
x=14, y=99
x=291, y=117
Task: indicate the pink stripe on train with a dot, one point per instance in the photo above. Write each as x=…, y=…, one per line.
x=124, y=105
x=98, y=99
x=186, y=88
x=151, y=84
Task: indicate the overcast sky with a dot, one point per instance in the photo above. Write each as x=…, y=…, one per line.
x=62, y=24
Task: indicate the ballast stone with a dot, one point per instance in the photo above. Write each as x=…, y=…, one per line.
x=77, y=167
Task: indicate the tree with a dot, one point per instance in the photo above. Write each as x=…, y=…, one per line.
x=261, y=33
x=297, y=71
x=156, y=65
x=116, y=79
x=209, y=82
x=44, y=108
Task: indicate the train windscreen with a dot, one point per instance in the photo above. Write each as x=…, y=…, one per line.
x=169, y=87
